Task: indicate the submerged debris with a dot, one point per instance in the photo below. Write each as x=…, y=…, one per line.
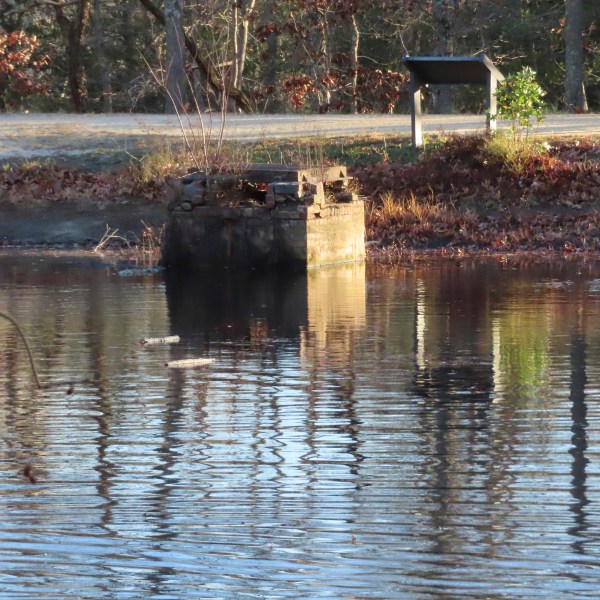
x=189, y=363
x=169, y=339
x=29, y=474
x=139, y=271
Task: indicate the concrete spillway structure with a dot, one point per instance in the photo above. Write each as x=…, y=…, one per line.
x=265, y=216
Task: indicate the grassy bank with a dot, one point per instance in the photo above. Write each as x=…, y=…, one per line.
x=459, y=194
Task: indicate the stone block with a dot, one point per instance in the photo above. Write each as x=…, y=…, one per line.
x=296, y=226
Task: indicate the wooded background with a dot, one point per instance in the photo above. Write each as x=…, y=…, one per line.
x=288, y=55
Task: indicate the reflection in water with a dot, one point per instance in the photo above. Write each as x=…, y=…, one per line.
x=336, y=321
x=455, y=379
x=236, y=305
x=420, y=432
x=579, y=437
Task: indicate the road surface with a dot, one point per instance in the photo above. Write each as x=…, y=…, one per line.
x=36, y=136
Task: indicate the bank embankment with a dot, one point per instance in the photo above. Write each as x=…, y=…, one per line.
x=76, y=224
x=461, y=194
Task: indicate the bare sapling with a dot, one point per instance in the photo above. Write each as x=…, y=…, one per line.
x=201, y=132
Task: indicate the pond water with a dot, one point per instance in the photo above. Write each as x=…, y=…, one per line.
x=425, y=431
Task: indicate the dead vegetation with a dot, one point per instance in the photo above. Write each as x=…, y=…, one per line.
x=48, y=182
x=486, y=194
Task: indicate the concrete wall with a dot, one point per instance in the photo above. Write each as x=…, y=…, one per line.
x=291, y=233
x=335, y=233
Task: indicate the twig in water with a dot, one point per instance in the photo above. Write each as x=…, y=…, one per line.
x=189, y=363
x=32, y=362
x=107, y=237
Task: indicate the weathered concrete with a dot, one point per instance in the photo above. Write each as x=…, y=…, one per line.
x=301, y=218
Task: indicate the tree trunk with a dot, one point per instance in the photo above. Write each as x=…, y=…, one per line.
x=175, y=80
x=232, y=92
x=318, y=50
x=72, y=32
x=239, y=27
x=242, y=45
x=443, y=14
x=354, y=64
x=126, y=40
x=234, y=20
x=101, y=58
x=575, y=97
x=272, y=64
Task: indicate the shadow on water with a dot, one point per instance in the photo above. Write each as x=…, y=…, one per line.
x=228, y=305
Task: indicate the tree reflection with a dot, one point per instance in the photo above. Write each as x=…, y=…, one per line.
x=466, y=449
x=579, y=442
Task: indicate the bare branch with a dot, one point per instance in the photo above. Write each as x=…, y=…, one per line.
x=232, y=92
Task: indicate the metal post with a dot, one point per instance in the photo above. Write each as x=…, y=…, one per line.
x=415, y=110
x=492, y=104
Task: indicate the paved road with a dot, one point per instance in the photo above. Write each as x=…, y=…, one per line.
x=38, y=136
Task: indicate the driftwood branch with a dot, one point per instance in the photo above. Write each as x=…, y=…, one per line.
x=169, y=339
x=18, y=328
x=189, y=363
x=232, y=92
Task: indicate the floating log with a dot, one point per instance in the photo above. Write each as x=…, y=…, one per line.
x=169, y=339
x=189, y=363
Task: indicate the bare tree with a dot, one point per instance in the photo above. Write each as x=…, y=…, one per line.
x=241, y=11
x=213, y=78
x=354, y=62
x=101, y=58
x=270, y=34
x=174, y=56
x=72, y=28
x=445, y=29
x=575, y=96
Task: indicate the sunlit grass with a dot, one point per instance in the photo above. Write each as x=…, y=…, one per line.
x=395, y=208
x=513, y=152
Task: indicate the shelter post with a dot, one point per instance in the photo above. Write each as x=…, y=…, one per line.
x=491, y=120
x=415, y=110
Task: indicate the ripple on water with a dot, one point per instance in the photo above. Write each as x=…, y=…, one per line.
x=428, y=434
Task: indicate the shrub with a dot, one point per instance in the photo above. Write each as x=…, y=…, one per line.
x=519, y=99
x=20, y=66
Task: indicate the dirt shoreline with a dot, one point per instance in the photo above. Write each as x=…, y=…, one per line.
x=72, y=224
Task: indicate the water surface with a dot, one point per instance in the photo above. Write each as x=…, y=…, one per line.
x=427, y=431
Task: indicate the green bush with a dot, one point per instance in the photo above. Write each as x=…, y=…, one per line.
x=519, y=99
